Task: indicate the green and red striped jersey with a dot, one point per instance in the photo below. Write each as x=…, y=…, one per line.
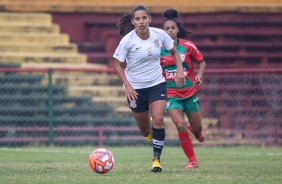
x=188, y=53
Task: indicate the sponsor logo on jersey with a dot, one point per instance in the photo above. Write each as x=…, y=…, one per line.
x=149, y=50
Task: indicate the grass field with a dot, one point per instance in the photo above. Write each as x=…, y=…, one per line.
x=70, y=165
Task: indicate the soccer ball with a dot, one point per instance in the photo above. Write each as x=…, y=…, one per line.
x=101, y=160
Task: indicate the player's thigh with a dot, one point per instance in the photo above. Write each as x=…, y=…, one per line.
x=177, y=116
x=157, y=102
x=157, y=109
x=192, y=109
x=195, y=120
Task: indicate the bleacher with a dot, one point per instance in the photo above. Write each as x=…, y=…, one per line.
x=121, y=6
x=33, y=40
x=227, y=32
x=226, y=39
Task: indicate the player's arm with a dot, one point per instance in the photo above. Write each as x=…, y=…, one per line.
x=179, y=78
x=200, y=73
x=130, y=93
x=197, y=56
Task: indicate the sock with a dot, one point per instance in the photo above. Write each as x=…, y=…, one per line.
x=158, y=141
x=187, y=145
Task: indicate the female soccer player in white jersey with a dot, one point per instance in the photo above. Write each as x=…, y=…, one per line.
x=183, y=100
x=142, y=78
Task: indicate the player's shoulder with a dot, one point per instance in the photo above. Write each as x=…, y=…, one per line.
x=128, y=36
x=157, y=30
x=187, y=43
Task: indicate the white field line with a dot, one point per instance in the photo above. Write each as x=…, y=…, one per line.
x=53, y=150
x=252, y=154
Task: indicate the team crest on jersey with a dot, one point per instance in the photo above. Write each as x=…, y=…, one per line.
x=157, y=43
x=132, y=104
x=182, y=57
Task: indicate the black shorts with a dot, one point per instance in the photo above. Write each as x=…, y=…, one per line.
x=146, y=96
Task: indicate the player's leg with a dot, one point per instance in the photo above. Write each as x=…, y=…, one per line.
x=157, y=109
x=157, y=103
x=192, y=109
x=196, y=126
x=143, y=122
x=177, y=116
x=140, y=109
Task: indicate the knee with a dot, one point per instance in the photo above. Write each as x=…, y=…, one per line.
x=197, y=130
x=158, y=122
x=181, y=127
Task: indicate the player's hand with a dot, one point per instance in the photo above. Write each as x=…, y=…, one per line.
x=130, y=93
x=199, y=79
x=180, y=78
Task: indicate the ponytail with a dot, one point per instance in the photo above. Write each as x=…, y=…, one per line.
x=124, y=25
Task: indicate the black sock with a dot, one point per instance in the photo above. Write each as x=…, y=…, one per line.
x=158, y=141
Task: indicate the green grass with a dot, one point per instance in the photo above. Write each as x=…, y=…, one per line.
x=70, y=165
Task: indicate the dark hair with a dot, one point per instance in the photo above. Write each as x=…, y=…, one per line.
x=173, y=15
x=124, y=24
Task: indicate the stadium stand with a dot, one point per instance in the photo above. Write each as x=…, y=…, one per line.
x=111, y=6
x=214, y=24
x=31, y=39
x=226, y=39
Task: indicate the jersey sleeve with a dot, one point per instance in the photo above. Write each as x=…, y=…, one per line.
x=121, y=50
x=194, y=52
x=167, y=41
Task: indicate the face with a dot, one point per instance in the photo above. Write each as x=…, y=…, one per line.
x=141, y=21
x=171, y=29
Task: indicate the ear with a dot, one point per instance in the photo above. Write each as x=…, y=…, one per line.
x=150, y=19
x=132, y=22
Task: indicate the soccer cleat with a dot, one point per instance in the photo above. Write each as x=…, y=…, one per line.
x=200, y=137
x=191, y=165
x=149, y=138
x=156, y=165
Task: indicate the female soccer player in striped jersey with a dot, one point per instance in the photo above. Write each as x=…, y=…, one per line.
x=142, y=78
x=183, y=100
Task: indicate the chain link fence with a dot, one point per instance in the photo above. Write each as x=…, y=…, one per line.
x=247, y=104
x=88, y=107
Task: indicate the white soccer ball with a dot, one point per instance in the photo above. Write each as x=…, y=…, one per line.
x=101, y=160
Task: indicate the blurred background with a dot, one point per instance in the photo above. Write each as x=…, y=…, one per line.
x=58, y=86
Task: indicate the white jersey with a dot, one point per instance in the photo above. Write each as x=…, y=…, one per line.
x=143, y=57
